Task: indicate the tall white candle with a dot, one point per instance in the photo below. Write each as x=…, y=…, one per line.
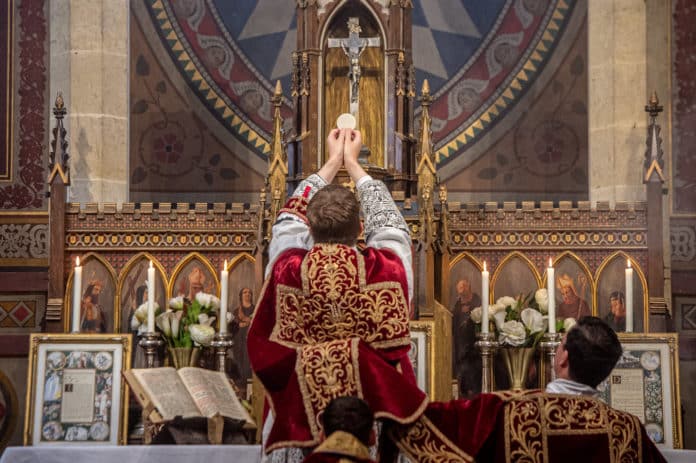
x=629, y=297
x=151, y=299
x=224, y=295
x=77, y=296
x=484, y=300
x=551, y=289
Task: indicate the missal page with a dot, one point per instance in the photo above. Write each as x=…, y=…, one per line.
x=77, y=405
x=167, y=392
x=212, y=393
x=627, y=391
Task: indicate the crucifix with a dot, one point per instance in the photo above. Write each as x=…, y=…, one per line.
x=353, y=47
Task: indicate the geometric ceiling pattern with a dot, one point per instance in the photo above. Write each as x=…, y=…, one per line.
x=478, y=56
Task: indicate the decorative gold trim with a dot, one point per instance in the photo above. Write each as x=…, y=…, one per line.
x=465, y=255
x=672, y=341
x=427, y=327
x=180, y=266
x=36, y=339
x=67, y=307
x=501, y=265
x=238, y=259
x=24, y=262
x=638, y=271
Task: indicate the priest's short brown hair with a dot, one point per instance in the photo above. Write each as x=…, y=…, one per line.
x=334, y=216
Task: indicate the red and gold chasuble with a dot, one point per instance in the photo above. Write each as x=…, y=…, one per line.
x=333, y=321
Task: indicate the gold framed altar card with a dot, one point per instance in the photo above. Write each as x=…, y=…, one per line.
x=645, y=382
x=422, y=355
x=76, y=393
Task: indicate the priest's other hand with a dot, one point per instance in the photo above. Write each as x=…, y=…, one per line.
x=352, y=151
x=334, y=142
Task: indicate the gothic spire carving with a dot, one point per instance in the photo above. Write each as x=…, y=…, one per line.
x=653, y=163
x=425, y=169
x=278, y=161
x=58, y=157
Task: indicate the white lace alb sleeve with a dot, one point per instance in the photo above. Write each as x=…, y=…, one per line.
x=385, y=227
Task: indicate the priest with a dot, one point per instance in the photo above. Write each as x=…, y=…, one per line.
x=332, y=319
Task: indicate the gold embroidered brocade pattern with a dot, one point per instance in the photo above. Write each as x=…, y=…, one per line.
x=336, y=303
x=531, y=420
x=423, y=442
x=326, y=371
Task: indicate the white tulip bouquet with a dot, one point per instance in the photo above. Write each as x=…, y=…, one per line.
x=521, y=321
x=188, y=323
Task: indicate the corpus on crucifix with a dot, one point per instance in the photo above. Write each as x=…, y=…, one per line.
x=353, y=47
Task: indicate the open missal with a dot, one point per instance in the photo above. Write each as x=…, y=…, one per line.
x=189, y=392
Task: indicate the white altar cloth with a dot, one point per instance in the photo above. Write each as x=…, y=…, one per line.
x=134, y=454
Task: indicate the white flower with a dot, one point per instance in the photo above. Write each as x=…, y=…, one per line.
x=141, y=312
x=476, y=315
x=568, y=323
x=495, y=308
x=176, y=303
x=206, y=320
x=164, y=323
x=201, y=334
x=533, y=320
x=135, y=324
x=512, y=333
x=176, y=322
x=506, y=301
x=208, y=300
x=499, y=318
x=541, y=296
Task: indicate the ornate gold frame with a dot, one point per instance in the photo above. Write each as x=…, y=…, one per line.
x=424, y=331
x=67, y=301
x=183, y=262
x=658, y=340
x=34, y=382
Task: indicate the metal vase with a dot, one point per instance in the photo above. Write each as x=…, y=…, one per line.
x=184, y=356
x=517, y=361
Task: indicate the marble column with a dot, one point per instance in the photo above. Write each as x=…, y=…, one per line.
x=89, y=64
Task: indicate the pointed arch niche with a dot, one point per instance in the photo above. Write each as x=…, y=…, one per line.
x=131, y=290
x=193, y=274
x=569, y=267
x=611, y=278
x=515, y=275
x=98, y=281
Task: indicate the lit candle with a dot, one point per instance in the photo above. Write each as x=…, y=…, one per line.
x=77, y=298
x=629, y=297
x=151, y=299
x=551, y=289
x=224, y=294
x=484, y=300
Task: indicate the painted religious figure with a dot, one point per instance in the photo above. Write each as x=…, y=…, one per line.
x=92, y=318
x=466, y=358
x=616, y=318
x=571, y=304
x=239, y=326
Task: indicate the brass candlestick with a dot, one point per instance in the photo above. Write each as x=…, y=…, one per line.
x=548, y=344
x=487, y=345
x=221, y=343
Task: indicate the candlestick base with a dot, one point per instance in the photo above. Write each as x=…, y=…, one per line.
x=548, y=345
x=151, y=342
x=222, y=343
x=487, y=345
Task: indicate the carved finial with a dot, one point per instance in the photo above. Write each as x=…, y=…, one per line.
x=442, y=193
x=425, y=90
x=60, y=104
x=401, y=57
x=653, y=107
x=278, y=89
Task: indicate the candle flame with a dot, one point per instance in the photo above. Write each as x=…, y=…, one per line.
x=484, y=265
x=628, y=263
x=150, y=263
x=550, y=262
x=77, y=261
x=224, y=266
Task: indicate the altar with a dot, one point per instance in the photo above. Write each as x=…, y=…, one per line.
x=180, y=454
